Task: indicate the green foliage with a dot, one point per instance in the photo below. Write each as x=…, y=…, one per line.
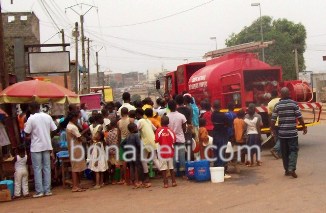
x=287, y=36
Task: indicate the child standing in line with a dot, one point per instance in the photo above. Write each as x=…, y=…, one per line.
x=113, y=141
x=21, y=173
x=133, y=159
x=239, y=132
x=147, y=136
x=253, y=123
x=98, y=163
x=123, y=133
x=203, y=138
x=166, y=138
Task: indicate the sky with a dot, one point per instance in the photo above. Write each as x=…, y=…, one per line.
x=141, y=35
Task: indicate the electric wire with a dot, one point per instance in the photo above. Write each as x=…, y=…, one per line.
x=161, y=18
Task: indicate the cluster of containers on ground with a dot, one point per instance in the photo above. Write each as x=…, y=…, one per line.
x=201, y=171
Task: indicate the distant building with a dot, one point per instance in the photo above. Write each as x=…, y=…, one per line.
x=19, y=25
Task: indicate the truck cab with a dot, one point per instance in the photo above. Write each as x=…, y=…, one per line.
x=177, y=81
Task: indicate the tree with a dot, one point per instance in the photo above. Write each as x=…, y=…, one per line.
x=287, y=36
x=135, y=97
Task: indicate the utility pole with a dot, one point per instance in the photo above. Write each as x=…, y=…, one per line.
x=76, y=60
x=3, y=71
x=88, y=71
x=84, y=79
x=97, y=70
x=97, y=67
x=64, y=49
x=296, y=61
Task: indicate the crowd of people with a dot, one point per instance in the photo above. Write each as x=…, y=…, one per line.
x=129, y=136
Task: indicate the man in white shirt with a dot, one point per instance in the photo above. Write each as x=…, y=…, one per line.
x=126, y=103
x=177, y=122
x=38, y=128
x=83, y=108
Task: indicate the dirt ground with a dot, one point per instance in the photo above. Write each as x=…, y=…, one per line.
x=262, y=189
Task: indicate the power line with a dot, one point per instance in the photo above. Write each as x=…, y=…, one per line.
x=50, y=15
x=161, y=18
x=50, y=37
x=137, y=52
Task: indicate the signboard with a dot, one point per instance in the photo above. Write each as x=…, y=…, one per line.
x=108, y=95
x=49, y=62
x=93, y=101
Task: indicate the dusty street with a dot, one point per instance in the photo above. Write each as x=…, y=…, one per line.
x=258, y=189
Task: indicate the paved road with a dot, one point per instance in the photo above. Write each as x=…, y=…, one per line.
x=257, y=189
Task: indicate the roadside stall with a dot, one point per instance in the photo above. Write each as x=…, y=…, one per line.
x=27, y=92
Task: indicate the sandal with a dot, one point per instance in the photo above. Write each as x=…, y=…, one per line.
x=259, y=163
x=174, y=184
x=122, y=182
x=137, y=186
x=78, y=190
x=147, y=185
x=96, y=187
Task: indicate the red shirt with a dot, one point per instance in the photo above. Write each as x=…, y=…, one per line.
x=207, y=116
x=166, y=138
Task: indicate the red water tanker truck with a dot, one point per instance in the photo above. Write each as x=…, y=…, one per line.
x=239, y=78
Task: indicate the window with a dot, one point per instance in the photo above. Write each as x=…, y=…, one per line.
x=11, y=19
x=23, y=18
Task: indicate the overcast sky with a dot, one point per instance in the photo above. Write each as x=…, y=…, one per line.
x=168, y=42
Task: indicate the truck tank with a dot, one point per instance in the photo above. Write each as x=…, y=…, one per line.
x=237, y=77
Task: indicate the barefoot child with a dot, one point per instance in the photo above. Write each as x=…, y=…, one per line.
x=113, y=141
x=253, y=123
x=21, y=173
x=166, y=138
x=123, y=133
x=239, y=132
x=133, y=158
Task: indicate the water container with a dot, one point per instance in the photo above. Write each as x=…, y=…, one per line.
x=63, y=154
x=63, y=140
x=190, y=170
x=202, y=172
x=10, y=186
x=117, y=174
x=217, y=174
x=89, y=174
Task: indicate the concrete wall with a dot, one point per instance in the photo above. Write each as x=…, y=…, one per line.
x=19, y=25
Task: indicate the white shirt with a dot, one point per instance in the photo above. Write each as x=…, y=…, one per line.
x=251, y=123
x=176, y=120
x=84, y=115
x=128, y=106
x=21, y=163
x=40, y=126
x=161, y=111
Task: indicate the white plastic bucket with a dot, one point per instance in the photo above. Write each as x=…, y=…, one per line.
x=217, y=174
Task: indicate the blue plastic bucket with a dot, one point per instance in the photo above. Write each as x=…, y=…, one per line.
x=10, y=186
x=202, y=172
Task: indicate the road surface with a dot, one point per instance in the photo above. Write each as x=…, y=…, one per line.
x=257, y=189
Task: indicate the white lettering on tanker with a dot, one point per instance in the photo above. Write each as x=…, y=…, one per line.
x=198, y=85
x=198, y=78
